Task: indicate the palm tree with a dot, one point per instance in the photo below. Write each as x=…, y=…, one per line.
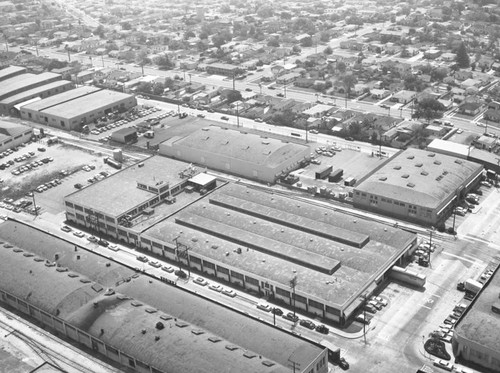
x=348, y=80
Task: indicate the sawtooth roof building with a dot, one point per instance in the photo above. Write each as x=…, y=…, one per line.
x=418, y=186
x=251, y=155
x=23, y=82
x=254, y=240
x=476, y=338
x=73, y=109
x=102, y=305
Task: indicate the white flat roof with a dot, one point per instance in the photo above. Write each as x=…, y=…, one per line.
x=439, y=145
x=202, y=179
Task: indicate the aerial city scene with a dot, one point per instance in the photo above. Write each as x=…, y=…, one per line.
x=242, y=186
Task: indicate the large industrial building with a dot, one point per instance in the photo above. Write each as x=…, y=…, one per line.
x=476, y=338
x=12, y=104
x=418, y=186
x=13, y=134
x=102, y=305
x=11, y=71
x=255, y=240
x=23, y=82
x=73, y=109
x=250, y=155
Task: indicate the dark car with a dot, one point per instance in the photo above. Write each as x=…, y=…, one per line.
x=280, y=95
x=349, y=139
x=461, y=286
x=343, y=364
x=277, y=311
x=384, y=106
x=290, y=316
x=224, y=118
x=308, y=324
x=322, y=329
x=103, y=243
x=272, y=88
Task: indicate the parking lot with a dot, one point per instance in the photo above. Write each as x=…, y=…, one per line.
x=46, y=174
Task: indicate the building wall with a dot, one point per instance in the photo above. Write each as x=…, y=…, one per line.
x=415, y=213
x=234, y=166
x=6, y=109
x=61, y=326
x=75, y=122
x=15, y=141
x=476, y=353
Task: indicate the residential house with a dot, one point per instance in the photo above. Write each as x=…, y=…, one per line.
x=470, y=108
x=379, y=93
x=350, y=44
x=448, y=57
x=319, y=110
x=494, y=105
x=287, y=78
x=492, y=115
x=403, y=96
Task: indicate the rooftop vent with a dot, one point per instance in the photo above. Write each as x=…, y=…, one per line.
x=205, y=129
x=405, y=176
x=445, y=173
x=397, y=167
x=383, y=178
x=214, y=339
x=458, y=161
x=197, y=331
x=431, y=155
x=249, y=355
x=267, y=363
x=424, y=173
x=265, y=142
x=419, y=164
x=437, y=162
x=411, y=157
x=231, y=347
x=411, y=185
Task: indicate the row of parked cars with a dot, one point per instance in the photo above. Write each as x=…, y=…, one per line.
x=215, y=287
x=31, y=166
x=293, y=317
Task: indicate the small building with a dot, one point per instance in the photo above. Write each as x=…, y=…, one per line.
x=492, y=115
x=13, y=134
x=125, y=135
x=403, y=96
x=223, y=69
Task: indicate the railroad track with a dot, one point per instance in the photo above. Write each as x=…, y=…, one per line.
x=52, y=355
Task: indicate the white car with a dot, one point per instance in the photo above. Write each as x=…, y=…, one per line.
x=200, y=281
x=167, y=269
x=113, y=247
x=446, y=365
x=229, y=292
x=215, y=287
x=78, y=234
x=264, y=307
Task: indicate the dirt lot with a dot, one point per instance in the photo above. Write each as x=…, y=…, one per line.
x=67, y=158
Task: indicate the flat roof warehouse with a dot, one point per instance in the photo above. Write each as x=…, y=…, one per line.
x=236, y=232
x=215, y=340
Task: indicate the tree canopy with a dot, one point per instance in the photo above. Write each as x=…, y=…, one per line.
x=462, y=58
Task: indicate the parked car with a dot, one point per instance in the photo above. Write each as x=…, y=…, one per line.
x=215, y=287
x=103, y=243
x=308, y=324
x=277, y=311
x=200, y=281
x=229, y=292
x=322, y=329
x=92, y=239
x=167, y=269
x=154, y=263
x=290, y=316
x=446, y=365
x=78, y=234
x=264, y=307
x=224, y=117
x=343, y=363
x=65, y=228
x=142, y=258
x=370, y=308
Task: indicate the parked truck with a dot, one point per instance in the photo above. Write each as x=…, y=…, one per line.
x=472, y=286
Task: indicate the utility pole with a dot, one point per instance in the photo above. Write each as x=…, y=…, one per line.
x=430, y=245
x=293, y=284
x=364, y=316
x=182, y=251
x=34, y=203
x=237, y=114
x=69, y=56
x=234, y=84
x=284, y=90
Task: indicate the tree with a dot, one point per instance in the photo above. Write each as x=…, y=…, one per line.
x=328, y=50
x=341, y=67
x=462, y=58
x=348, y=81
x=273, y=43
x=99, y=31
x=429, y=108
x=265, y=11
x=306, y=42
